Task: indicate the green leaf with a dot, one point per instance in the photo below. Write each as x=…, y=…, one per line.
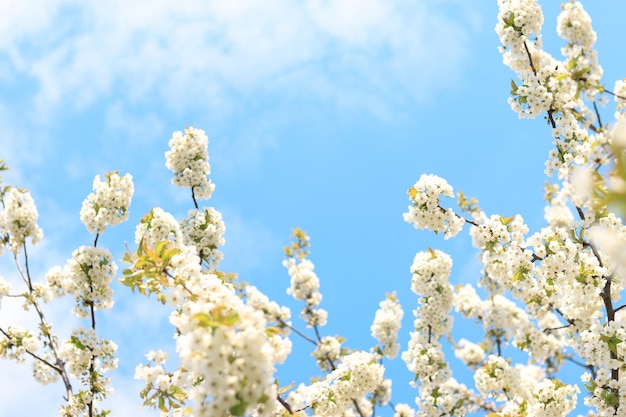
x=591, y=386
x=286, y=388
x=162, y=406
x=76, y=342
x=204, y=320
x=506, y=220
x=238, y=409
x=612, y=341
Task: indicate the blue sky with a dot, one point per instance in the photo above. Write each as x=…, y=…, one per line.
x=320, y=115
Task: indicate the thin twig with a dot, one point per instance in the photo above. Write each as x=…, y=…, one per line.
x=530, y=59
x=60, y=364
x=595, y=107
x=298, y=332
x=591, y=368
x=193, y=197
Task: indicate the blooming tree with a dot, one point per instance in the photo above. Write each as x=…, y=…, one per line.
x=555, y=294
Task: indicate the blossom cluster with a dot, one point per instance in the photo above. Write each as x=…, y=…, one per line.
x=386, y=326
x=108, y=204
x=227, y=361
x=426, y=211
x=80, y=352
x=357, y=375
x=439, y=393
x=205, y=231
x=158, y=226
x=188, y=158
x=87, y=276
x=18, y=220
x=305, y=287
x=17, y=342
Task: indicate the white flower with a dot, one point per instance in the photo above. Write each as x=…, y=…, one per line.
x=426, y=211
x=404, y=410
x=470, y=353
x=205, y=230
x=620, y=93
x=16, y=342
x=43, y=373
x=188, y=158
x=618, y=134
x=574, y=24
x=19, y=219
x=157, y=226
x=81, y=351
x=109, y=203
x=327, y=349
x=157, y=356
x=386, y=325
x=87, y=276
x=5, y=288
x=553, y=398
x=356, y=376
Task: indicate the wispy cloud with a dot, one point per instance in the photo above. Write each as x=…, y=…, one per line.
x=192, y=52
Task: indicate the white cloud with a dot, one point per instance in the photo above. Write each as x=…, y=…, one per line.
x=195, y=53
x=22, y=148
x=138, y=130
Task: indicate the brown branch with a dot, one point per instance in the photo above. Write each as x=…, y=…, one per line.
x=285, y=404
x=193, y=197
x=530, y=59
x=606, y=298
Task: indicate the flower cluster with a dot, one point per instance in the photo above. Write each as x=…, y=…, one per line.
x=356, y=376
x=276, y=314
x=470, y=353
x=188, y=158
x=158, y=226
x=16, y=342
x=387, y=325
x=305, y=286
x=610, y=234
x=574, y=25
x=506, y=262
x=327, y=352
x=524, y=389
x=109, y=203
x=161, y=386
x=620, y=93
x=424, y=356
x=222, y=341
x=438, y=391
x=426, y=211
x=205, y=230
x=227, y=352
x=18, y=220
x=83, y=346
x=87, y=276
x=5, y=287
